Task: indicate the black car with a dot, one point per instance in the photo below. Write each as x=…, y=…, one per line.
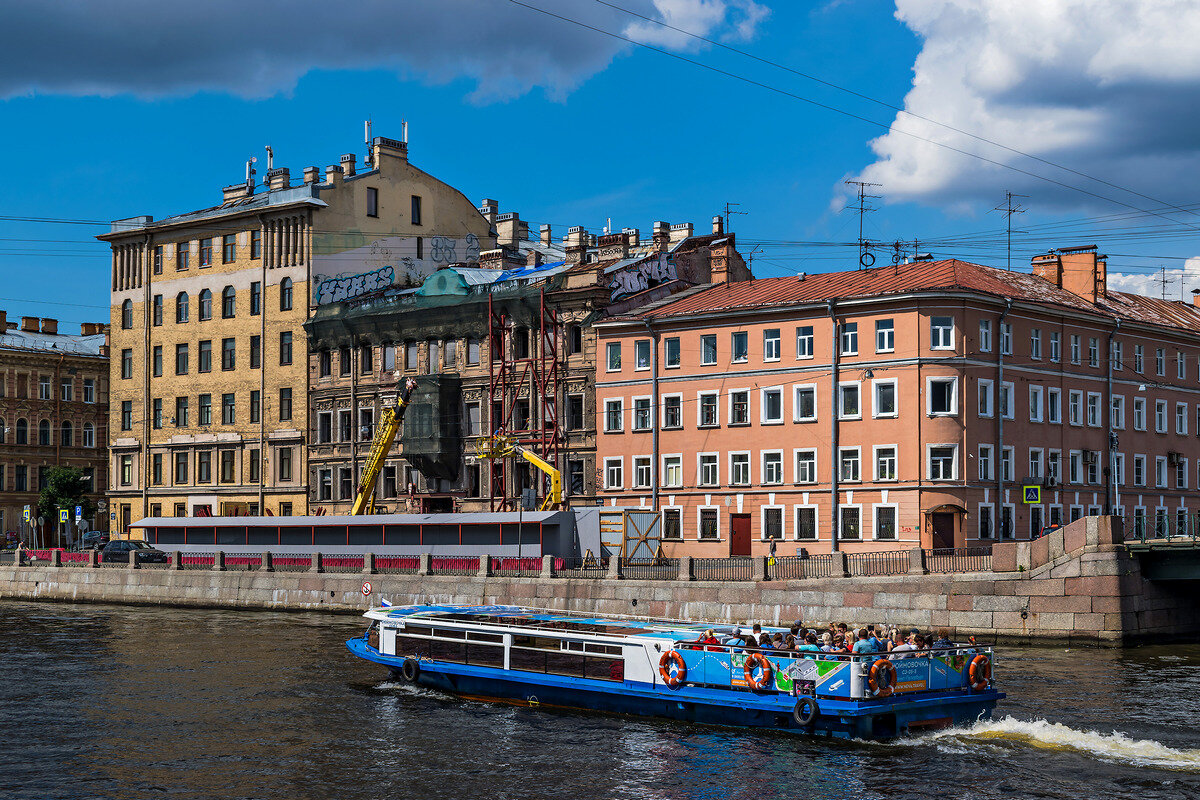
x=118, y=553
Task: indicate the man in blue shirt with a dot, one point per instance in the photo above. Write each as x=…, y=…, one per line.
x=864, y=643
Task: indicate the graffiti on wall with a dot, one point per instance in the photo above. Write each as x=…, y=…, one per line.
x=643, y=275
x=344, y=273
x=333, y=290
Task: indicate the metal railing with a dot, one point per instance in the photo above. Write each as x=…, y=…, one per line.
x=342, y=563
x=722, y=569
x=454, y=565
x=883, y=562
x=197, y=560
x=801, y=567
x=1169, y=526
x=652, y=569
x=581, y=567
x=960, y=559
x=397, y=565
x=516, y=567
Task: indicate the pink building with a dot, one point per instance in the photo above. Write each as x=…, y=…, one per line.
x=971, y=404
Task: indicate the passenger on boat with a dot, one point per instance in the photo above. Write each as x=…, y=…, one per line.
x=790, y=642
x=777, y=642
x=919, y=642
x=827, y=642
x=895, y=639
x=865, y=643
x=710, y=638
x=756, y=630
x=943, y=639
x=810, y=645
x=764, y=641
x=906, y=646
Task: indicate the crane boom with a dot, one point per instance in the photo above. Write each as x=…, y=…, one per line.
x=381, y=445
x=501, y=446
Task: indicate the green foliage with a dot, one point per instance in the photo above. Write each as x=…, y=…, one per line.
x=66, y=487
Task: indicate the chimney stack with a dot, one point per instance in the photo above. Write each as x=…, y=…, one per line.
x=347, y=161
x=510, y=230
x=29, y=324
x=662, y=235
x=576, y=245
x=312, y=174
x=680, y=231
x=279, y=178
x=718, y=225
x=545, y=234
x=235, y=191
x=533, y=258
x=333, y=173
x=1079, y=270
x=49, y=325
x=382, y=146
x=635, y=236
x=490, y=209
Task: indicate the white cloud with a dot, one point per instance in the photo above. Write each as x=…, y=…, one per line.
x=731, y=19
x=1151, y=285
x=1109, y=88
x=149, y=48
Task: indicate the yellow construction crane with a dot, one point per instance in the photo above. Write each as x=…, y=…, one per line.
x=381, y=445
x=500, y=446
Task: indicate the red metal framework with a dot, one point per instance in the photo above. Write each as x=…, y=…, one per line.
x=523, y=395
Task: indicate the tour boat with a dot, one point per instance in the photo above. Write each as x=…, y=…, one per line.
x=659, y=668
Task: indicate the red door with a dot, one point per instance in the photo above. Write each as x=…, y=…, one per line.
x=739, y=534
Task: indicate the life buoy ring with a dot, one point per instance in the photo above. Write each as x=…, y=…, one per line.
x=765, y=675
x=672, y=679
x=980, y=672
x=806, y=711
x=411, y=670
x=882, y=678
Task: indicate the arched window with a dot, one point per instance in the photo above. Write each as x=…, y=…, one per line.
x=89, y=435
x=68, y=435
x=228, y=296
x=285, y=294
x=181, y=307
x=127, y=314
x=22, y=432
x=44, y=432
x=205, y=305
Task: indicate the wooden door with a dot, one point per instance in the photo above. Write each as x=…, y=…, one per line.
x=943, y=530
x=739, y=534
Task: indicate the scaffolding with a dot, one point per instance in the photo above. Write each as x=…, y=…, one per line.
x=524, y=396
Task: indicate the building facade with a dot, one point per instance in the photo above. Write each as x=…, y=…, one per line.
x=209, y=402
x=53, y=412
x=931, y=404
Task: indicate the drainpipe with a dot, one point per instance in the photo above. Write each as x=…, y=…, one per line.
x=1110, y=481
x=262, y=369
x=655, y=411
x=1000, y=423
x=833, y=431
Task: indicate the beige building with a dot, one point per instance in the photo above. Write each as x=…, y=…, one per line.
x=209, y=355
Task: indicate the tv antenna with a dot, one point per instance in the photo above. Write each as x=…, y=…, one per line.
x=865, y=257
x=1009, y=209
x=729, y=210
x=1164, y=280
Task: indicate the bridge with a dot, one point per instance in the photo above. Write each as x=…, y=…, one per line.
x=1168, y=558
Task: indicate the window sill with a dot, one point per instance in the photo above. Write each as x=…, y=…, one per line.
x=771, y=422
x=805, y=420
x=885, y=416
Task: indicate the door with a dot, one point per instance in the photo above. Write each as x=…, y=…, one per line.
x=739, y=534
x=943, y=531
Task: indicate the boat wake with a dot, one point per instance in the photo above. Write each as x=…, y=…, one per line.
x=1115, y=747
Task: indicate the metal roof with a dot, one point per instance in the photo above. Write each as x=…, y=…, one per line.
x=372, y=519
x=17, y=339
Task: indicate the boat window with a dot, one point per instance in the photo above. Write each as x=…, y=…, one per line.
x=592, y=647
x=537, y=642
x=414, y=630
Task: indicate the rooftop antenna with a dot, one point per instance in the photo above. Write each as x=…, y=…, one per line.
x=1164, y=280
x=367, y=137
x=404, y=131
x=250, y=174
x=270, y=158
x=1009, y=209
x=865, y=257
x=729, y=210
x=608, y=226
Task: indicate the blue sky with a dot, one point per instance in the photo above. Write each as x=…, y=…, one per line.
x=570, y=127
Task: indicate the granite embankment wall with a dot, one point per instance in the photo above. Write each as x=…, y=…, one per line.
x=1078, y=585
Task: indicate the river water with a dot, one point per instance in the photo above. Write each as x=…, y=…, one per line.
x=117, y=702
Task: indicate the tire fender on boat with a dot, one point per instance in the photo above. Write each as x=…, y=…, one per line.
x=806, y=711
x=664, y=669
x=411, y=670
x=882, y=678
x=763, y=663
x=980, y=672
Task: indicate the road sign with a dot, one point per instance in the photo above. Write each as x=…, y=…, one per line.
x=78, y=513
x=366, y=590
x=27, y=513
x=1033, y=494
x=63, y=514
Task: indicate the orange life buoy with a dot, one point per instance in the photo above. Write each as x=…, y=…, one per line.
x=980, y=672
x=764, y=664
x=672, y=679
x=882, y=678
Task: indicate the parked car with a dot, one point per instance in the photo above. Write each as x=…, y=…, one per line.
x=94, y=540
x=118, y=552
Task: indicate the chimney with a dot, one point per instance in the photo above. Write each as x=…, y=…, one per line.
x=492, y=259
x=347, y=160
x=635, y=236
x=509, y=229
x=718, y=225
x=86, y=328
x=489, y=208
x=614, y=245
x=533, y=258
x=3, y=322
x=279, y=178
x=680, y=231
x=234, y=192
x=49, y=325
x=311, y=174
x=576, y=245
x=545, y=233
x=1079, y=270
x=382, y=146
x=662, y=235
x=333, y=174
x=29, y=324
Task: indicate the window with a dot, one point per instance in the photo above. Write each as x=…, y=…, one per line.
x=127, y=315
x=474, y=419
x=345, y=426
x=22, y=432
x=127, y=363
x=1139, y=413
x=1075, y=466
x=984, y=390
x=89, y=390
x=641, y=354
x=849, y=464
x=850, y=524
x=771, y=344
x=885, y=336
x=941, y=463
x=1118, y=360
x=1160, y=472
x=228, y=302
x=1160, y=416
x=1094, y=417
x=89, y=435
x=182, y=254
x=984, y=462
x=181, y=307
x=710, y=526
x=255, y=246
x=1075, y=349
x=739, y=407
x=614, y=415
x=708, y=469
x=739, y=347
x=772, y=406
x=739, y=469
x=804, y=341
x=366, y=357
x=416, y=210
x=372, y=201
x=181, y=359
x=227, y=409
x=1035, y=343
x=1118, y=412
x=641, y=414
x=884, y=398
x=1139, y=359
x=472, y=353
x=228, y=354
x=285, y=403
x=985, y=336
x=985, y=521
x=1181, y=418
x=126, y=471
x=157, y=314
x=1055, y=346
x=1180, y=366
x=158, y=260
x=255, y=352
x=1093, y=352
x=285, y=294
x=285, y=348
x=707, y=410
x=204, y=409
x=206, y=246
x=641, y=472
x=885, y=463
x=772, y=522
x=943, y=396
x=848, y=407
x=1006, y=463
x=1139, y=470
x=228, y=249
x=325, y=427
x=806, y=522
x=672, y=351
x=1075, y=407
x=227, y=461
x=1054, y=406
x=805, y=403
x=806, y=466
x=1035, y=403
x=574, y=343
x=613, y=473
x=45, y=388
x=126, y=423
x=849, y=338
x=673, y=471
x=1054, y=465
x=1006, y=338
x=772, y=466
x=205, y=305
x=613, y=356
x=156, y=418
x=204, y=466
x=1181, y=471
x=181, y=412
x=1035, y=463
x=325, y=484
x=672, y=523
x=255, y=405
x=941, y=333
x=1119, y=469
x=672, y=411
x=885, y=522
x=204, y=356
x=1160, y=361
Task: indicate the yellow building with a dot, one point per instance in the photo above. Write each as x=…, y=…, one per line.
x=209, y=397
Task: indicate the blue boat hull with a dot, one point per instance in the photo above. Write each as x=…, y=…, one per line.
x=874, y=719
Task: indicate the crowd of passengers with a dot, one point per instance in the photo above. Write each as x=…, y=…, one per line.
x=837, y=638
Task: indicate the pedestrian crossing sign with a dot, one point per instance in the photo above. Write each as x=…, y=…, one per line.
x=62, y=515
x=1033, y=494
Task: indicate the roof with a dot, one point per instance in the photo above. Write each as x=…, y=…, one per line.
x=53, y=342
x=277, y=197
x=353, y=521
x=927, y=276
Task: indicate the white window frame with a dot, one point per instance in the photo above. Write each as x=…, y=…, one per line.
x=875, y=521
x=1055, y=346
x=1035, y=344
x=620, y=403
x=1009, y=390
x=953, y=461
x=990, y=533
x=1139, y=410
x=1139, y=466
x=749, y=468
x=762, y=405
x=1007, y=465
x=716, y=423
x=1074, y=404
x=796, y=388
x=889, y=333
x=1037, y=406
x=716, y=460
x=699, y=519
x=1006, y=338
x=1160, y=416
x=665, y=397
x=765, y=473
x=841, y=400
x=1094, y=413
x=929, y=382
x=988, y=459
x=1181, y=419
x=1076, y=349
x=875, y=384
x=810, y=337
x=984, y=398
x=648, y=462
x=875, y=463
x=1036, y=456
x=637, y=347
x=762, y=523
x=767, y=341
x=816, y=521
x=1118, y=412
x=842, y=509
x=847, y=332
x=985, y=336
x=716, y=350
x=816, y=476
x=941, y=337
x=662, y=517
x=609, y=348
x=729, y=410
x=1075, y=467
x=858, y=454
x=619, y=463
x=666, y=470
x=633, y=411
x=733, y=357
x=1054, y=405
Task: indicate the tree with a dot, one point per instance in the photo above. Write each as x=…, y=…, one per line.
x=66, y=487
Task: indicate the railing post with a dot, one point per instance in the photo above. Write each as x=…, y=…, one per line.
x=423, y=564
x=315, y=566
x=56, y=557
x=916, y=562
x=176, y=560
x=133, y=559
x=485, y=565
x=685, y=569
x=268, y=564
x=758, y=568
x=614, y=568
x=93, y=558
x=841, y=565
x=219, y=561
x=547, y=566
x=368, y=563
